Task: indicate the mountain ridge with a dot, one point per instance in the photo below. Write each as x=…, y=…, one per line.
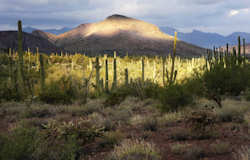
x=120, y=33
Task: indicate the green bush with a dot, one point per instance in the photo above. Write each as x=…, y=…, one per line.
x=20, y=144
x=174, y=97
x=232, y=81
x=8, y=92
x=138, y=88
x=61, y=91
x=150, y=124
x=65, y=141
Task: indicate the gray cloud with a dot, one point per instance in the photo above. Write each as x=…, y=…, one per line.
x=223, y=16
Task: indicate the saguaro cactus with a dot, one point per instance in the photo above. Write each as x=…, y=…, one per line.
x=106, y=74
x=29, y=55
x=42, y=73
x=20, y=55
x=115, y=72
x=244, y=50
x=97, y=67
x=37, y=59
x=239, y=50
x=126, y=76
x=173, y=73
x=142, y=69
x=163, y=69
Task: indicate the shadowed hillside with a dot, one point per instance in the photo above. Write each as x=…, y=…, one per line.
x=8, y=39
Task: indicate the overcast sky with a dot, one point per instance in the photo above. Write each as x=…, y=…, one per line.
x=221, y=16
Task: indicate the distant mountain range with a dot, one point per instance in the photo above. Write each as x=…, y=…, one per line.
x=207, y=40
x=53, y=31
x=199, y=38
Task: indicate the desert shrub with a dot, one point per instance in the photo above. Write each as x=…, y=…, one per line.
x=61, y=91
x=150, y=124
x=107, y=122
x=194, y=153
x=4, y=59
x=32, y=112
x=180, y=134
x=201, y=122
x=65, y=141
x=232, y=81
x=242, y=154
x=111, y=139
x=231, y=113
x=194, y=84
x=117, y=96
x=135, y=150
x=20, y=144
x=220, y=147
x=137, y=88
x=179, y=148
x=175, y=97
x=170, y=118
x=247, y=94
x=9, y=92
x=144, y=89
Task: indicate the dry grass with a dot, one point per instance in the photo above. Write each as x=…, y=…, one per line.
x=135, y=149
x=242, y=154
x=179, y=148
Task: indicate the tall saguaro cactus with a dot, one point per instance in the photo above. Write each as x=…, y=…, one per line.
x=163, y=69
x=42, y=73
x=239, y=50
x=126, y=76
x=173, y=73
x=97, y=67
x=142, y=69
x=244, y=50
x=115, y=72
x=106, y=74
x=20, y=55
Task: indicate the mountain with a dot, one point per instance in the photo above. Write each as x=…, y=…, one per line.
x=207, y=40
x=122, y=34
x=53, y=31
x=8, y=39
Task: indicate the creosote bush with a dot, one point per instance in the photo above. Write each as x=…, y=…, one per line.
x=201, y=122
x=175, y=97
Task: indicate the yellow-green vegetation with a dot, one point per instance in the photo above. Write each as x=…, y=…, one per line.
x=73, y=106
x=135, y=149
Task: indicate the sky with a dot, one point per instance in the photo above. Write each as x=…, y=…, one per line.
x=220, y=16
